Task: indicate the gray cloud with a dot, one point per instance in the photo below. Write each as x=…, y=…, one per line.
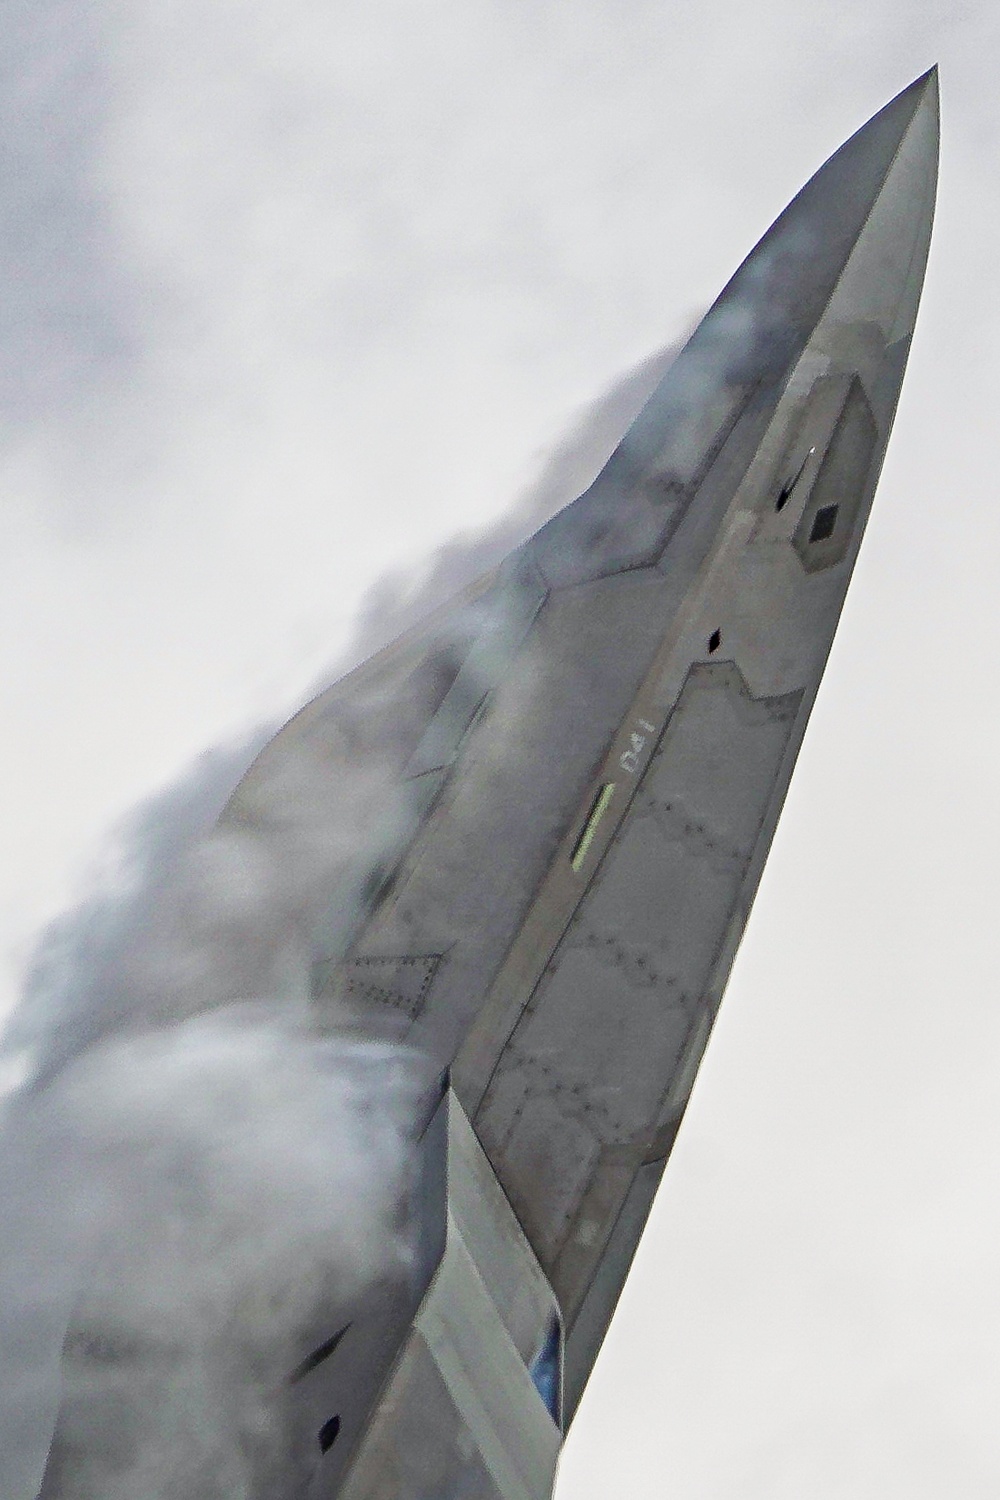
x=189, y=1200
x=202, y=1170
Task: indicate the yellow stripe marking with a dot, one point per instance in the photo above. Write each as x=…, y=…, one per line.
x=597, y=812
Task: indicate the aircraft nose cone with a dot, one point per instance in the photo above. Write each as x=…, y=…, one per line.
x=877, y=190
x=847, y=253
x=882, y=278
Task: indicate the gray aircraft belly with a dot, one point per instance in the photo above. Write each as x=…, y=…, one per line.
x=576, y=771
x=596, y=802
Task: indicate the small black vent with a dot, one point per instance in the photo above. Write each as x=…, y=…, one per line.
x=785, y=493
x=824, y=522
x=315, y=1359
x=714, y=641
x=328, y=1434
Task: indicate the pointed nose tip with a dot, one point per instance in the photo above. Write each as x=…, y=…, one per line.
x=885, y=173
x=928, y=81
x=929, y=110
x=923, y=94
x=883, y=277
x=874, y=149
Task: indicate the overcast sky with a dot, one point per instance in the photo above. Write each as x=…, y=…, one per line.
x=294, y=292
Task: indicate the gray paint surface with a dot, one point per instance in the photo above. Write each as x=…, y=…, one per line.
x=665, y=634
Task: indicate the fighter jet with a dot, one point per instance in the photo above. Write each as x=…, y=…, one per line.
x=583, y=759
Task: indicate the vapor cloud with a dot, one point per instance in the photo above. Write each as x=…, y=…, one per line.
x=203, y=1170
x=192, y=1173
x=192, y=1200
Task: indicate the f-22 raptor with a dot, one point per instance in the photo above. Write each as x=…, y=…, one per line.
x=587, y=754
